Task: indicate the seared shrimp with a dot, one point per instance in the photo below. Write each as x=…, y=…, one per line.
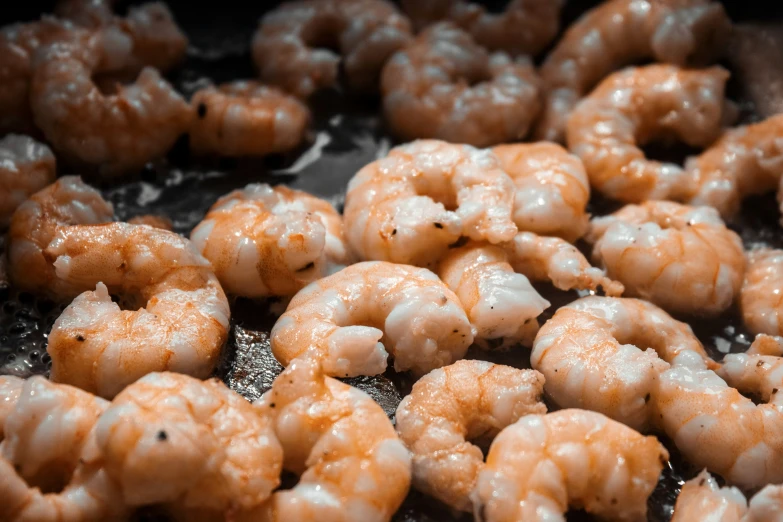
x=552, y=189
x=445, y=86
x=341, y=319
x=638, y=105
x=681, y=258
x=291, y=45
x=606, y=354
x=450, y=406
x=701, y=499
x=68, y=201
x=265, y=241
x=245, y=118
x=761, y=297
x=101, y=348
x=398, y=208
x=542, y=464
x=26, y=166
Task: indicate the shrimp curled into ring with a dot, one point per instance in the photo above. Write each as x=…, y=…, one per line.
x=341, y=319
x=469, y=400
x=444, y=86
x=26, y=166
x=101, y=348
x=681, y=258
x=761, y=297
x=398, y=208
x=542, y=464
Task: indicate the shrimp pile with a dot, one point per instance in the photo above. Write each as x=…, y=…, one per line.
x=542, y=464
x=618, y=33
x=266, y=241
x=679, y=257
x=341, y=319
x=399, y=208
x=702, y=499
x=26, y=166
x=636, y=106
x=761, y=297
x=447, y=408
x=445, y=86
x=102, y=348
x=291, y=46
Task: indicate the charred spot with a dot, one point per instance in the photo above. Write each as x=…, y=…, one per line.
x=774, y=390
x=760, y=363
x=80, y=338
x=455, y=331
x=394, y=232
x=438, y=225
x=308, y=266
x=122, y=265
x=702, y=481
x=271, y=404
x=162, y=436
x=647, y=398
x=201, y=110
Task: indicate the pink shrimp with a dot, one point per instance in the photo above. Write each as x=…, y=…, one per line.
x=761, y=297
x=26, y=166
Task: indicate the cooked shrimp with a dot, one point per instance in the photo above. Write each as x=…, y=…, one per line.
x=618, y=33
x=701, y=499
x=761, y=296
x=26, y=166
x=291, y=45
x=606, y=354
x=398, y=208
x=638, y=105
x=745, y=161
x=542, y=464
x=101, y=348
x=115, y=133
x=341, y=319
x=524, y=27
x=469, y=400
x=766, y=505
x=445, y=86
x=352, y=465
x=68, y=201
x=265, y=241
x=552, y=189
x=246, y=119
x=681, y=258
x=10, y=390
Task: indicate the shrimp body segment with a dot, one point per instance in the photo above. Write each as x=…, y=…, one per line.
x=453, y=405
x=635, y=106
x=399, y=208
x=542, y=464
x=682, y=258
x=265, y=241
x=766, y=505
x=101, y=348
x=342, y=318
x=445, y=86
x=26, y=166
x=702, y=499
x=761, y=297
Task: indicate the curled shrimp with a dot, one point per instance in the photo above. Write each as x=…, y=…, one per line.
x=766, y=505
x=68, y=201
x=341, y=319
x=542, y=464
x=101, y=348
x=702, y=499
x=606, y=354
x=352, y=465
x=399, y=208
x=245, y=118
x=524, y=27
x=638, y=105
x=265, y=241
x=552, y=189
x=468, y=400
x=290, y=47
x=445, y=86
x=761, y=296
x=26, y=166
x=681, y=258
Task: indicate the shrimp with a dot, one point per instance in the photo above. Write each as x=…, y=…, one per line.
x=638, y=105
x=153, y=220
x=552, y=189
x=761, y=296
x=445, y=86
x=68, y=201
x=399, y=208
x=245, y=118
x=618, y=33
x=469, y=400
x=290, y=47
x=766, y=505
x=606, y=354
x=265, y=241
x=352, y=465
x=745, y=161
x=101, y=348
x=524, y=27
x=341, y=319
x=114, y=133
x=681, y=258
x=26, y=166
x=10, y=390
x=86, y=13
x=542, y=464
x=702, y=499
